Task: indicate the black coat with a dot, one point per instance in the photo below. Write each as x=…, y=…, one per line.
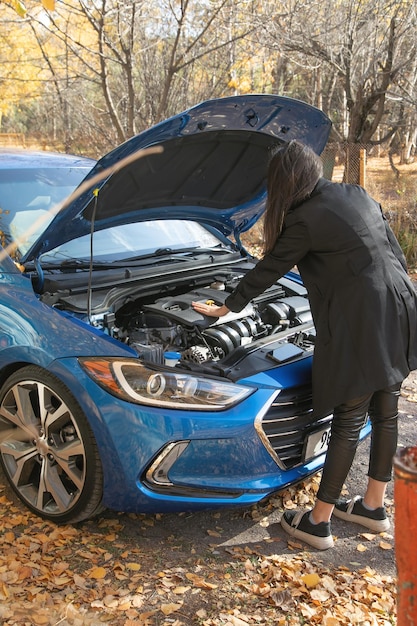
x=363, y=303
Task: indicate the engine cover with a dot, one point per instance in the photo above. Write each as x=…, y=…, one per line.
x=171, y=323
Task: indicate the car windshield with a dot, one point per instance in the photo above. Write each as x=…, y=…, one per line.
x=135, y=240
x=27, y=197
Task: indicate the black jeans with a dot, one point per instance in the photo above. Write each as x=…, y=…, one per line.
x=348, y=419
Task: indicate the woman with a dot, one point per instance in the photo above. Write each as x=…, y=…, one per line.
x=364, y=309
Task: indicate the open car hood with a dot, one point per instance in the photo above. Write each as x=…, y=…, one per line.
x=212, y=168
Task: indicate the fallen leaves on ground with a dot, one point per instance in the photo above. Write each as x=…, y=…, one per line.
x=95, y=574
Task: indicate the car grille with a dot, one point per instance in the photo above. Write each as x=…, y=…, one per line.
x=288, y=422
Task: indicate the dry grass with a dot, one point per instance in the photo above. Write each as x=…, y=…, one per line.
x=398, y=196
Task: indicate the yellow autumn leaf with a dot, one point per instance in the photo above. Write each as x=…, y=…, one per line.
x=198, y=581
x=133, y=566
x=49, y=5
x=97, y=572
x=361, y=548
x=17, y=520
x=180, y=589
x=19, y=7
x=61, y=566
x=39, y=619
x=368, y=536
x=310, y=580
x=61, y=581
x=167, y=609
x=79, y=581
x=320, y=595
x=125, y=606
x=24, y=572
x=385, y=546
x=331, y=621
x=236, y=621
x=201, y=613
x=110, y=602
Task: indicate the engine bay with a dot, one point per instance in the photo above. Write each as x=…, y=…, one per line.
x=132, y=313
x=171, y=324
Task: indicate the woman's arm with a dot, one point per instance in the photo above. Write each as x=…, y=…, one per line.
x=291, y=246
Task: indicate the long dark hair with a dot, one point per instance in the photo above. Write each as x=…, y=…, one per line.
x=293, y=172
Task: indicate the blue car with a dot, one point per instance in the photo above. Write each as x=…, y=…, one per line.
x=114, y=392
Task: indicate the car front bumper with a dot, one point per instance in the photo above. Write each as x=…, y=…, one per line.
x=159, y=460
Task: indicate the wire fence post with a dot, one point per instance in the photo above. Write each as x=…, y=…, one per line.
x=362, y=167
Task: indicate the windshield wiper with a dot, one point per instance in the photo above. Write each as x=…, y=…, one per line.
x=171, y=252
x=79, y=264
x=68, y=265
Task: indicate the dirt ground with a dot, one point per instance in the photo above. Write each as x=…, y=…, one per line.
x=214, y=568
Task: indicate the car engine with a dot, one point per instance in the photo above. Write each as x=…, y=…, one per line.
x=171, y=324
x=153, y=324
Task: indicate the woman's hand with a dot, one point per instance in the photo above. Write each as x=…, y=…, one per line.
x=210, y=309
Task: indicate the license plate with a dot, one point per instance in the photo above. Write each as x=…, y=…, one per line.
x=317, y=443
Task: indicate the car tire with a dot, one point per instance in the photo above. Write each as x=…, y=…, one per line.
x=47, y=448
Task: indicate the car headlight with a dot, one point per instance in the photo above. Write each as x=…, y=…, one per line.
x=135, y=382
